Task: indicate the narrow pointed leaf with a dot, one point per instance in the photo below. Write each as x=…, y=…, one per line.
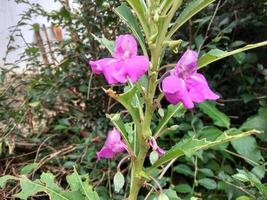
x=217, y=54
x=139, y=7
x=105, y=42
x=125, y=13
x=189, y=146
x=191, y=9
x=171, y=111
x=126, y=100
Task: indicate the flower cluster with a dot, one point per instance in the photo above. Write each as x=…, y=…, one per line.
x=124, y=64
x=183, y=84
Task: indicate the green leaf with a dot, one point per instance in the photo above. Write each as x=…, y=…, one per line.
x=126, y=100
x=28, y=168
x=171, y=111
x=191, y=9
x=140, y=9
x=240, y=57
x=259, y=171
x=34, y=104
x=211, y=133
x=183, y=188
x=243, y=198
x=125, y=13
x=30, y=188
x=262, y=188
x=105, y=42
x=6, y=178
x=189, y=146
x=219, y=118
x=217, y=54
x=208, y=183
x=250, y=176
x=119, y=181
x=171, y=194
x=258, y=122
x=163, y=196
x=248, y=148
x=81, y=184
x=79, y=189
x=241, y=177
x=207, y=172
x=184, y=170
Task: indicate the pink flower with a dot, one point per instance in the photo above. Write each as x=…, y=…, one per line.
x=113, y=145
x=185, y=85
x=153, y=143
x=124, y=64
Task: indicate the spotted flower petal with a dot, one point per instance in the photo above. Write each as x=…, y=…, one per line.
x=113, y=145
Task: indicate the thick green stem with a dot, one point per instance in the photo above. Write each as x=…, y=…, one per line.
x=144, y=132
x=137, y=168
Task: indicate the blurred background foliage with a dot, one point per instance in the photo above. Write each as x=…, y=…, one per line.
x=52, y=116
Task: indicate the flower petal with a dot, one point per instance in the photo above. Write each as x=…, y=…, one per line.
x=175, y=91
x=125, y=47
x=160, y=151
x=111, y=68
x=136, y=67
x=105, y=153
x=153, y=143
x=113, y=145
x=98, y=65
x=187, y=64
x=199, y=90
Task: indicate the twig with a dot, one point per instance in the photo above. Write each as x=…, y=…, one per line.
x=240, y=156
x=53, y=155
x=157, y=183
x=209, y=26
x=237, y=187
x=38, y=150
x=89, y=86
x=122, y=161
x=152, y=188
x=166, y=168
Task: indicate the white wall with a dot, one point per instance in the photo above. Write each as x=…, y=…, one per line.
x=9, y=16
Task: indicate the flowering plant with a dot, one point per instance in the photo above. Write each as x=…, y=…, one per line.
x=182, y=86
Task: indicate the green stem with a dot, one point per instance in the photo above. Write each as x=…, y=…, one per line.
x=144, y=131
x=137, y=167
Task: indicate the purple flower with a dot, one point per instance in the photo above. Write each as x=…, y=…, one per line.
x=153, y=143
x=185, y=85
x=113, y=145
x=124, y=64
